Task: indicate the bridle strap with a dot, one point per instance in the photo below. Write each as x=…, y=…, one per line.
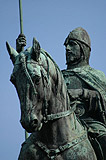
x=60, y=114
x=52, y=153
x=24, y=66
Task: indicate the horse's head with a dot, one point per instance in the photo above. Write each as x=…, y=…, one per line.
x=35, y=79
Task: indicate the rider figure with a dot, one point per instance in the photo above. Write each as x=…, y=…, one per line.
x=87, y=86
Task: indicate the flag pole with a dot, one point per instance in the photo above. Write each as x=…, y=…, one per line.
x=21, y=31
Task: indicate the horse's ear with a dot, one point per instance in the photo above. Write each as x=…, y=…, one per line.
x=12, y=52
x=35, y=50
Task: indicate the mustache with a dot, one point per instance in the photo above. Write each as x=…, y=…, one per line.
x=69, y=53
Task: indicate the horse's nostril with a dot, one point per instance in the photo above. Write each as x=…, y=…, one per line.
x=34, y=123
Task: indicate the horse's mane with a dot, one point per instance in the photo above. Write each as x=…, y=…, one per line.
x=60, y=79
x=48, y=55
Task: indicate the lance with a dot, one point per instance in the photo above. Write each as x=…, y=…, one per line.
x=21, y=31
x=21, y=19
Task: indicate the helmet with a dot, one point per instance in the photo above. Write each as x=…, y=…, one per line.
x=80, y=35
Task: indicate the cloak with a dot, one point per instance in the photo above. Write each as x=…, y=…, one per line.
x=94, y=78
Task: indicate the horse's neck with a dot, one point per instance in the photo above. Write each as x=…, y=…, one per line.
x=56, y=132
x=59, y=131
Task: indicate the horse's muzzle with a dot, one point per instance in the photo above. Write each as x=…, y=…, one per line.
x=30, y=126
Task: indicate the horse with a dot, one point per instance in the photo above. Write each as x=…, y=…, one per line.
x=46, y=110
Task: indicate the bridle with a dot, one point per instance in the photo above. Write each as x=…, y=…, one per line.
x=46, y=117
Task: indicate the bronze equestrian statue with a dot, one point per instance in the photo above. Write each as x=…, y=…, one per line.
x=47, y=107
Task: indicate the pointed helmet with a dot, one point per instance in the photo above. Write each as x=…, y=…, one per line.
x=80, y=35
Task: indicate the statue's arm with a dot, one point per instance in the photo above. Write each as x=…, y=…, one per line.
x=85, y=95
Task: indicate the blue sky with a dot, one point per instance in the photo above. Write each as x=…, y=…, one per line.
x=49, y=21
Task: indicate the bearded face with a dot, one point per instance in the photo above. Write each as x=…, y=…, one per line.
x=73, y=52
